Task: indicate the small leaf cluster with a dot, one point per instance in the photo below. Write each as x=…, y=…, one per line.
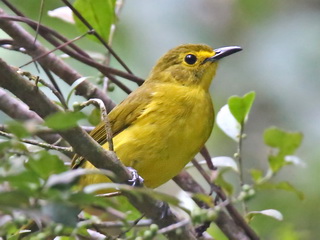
x=232, y=119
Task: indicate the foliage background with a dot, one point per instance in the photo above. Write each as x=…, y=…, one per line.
x=280, y=62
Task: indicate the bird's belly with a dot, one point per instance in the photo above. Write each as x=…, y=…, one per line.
x=158, y=146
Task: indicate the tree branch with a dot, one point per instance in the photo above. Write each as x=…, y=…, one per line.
x=71, y=49
x=20, y=111
x=50, y=61
x=227, y=225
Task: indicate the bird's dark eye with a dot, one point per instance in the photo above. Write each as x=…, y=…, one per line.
x=190, y=59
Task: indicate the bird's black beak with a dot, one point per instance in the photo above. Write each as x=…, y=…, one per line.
x=223, y=52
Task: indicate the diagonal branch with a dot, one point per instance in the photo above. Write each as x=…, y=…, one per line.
x=52, y=62
x=71, y=49
x=87, y=24
x=20, y=111
x=229, y=227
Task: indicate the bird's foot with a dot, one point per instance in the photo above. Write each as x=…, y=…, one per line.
x=165, y=209
x=136, y=180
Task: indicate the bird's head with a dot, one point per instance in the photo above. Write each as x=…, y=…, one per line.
x=190, y=64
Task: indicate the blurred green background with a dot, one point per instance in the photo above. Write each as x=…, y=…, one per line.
x=280, y=62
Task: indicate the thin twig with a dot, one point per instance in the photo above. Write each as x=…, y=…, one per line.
x=116, y=224
x=42, y=129
x=174, y=226
x=213, y=187
x=36, y=143
x=39, y=19
x=119, y=5
x=37, y=26
x=52, y=80
x=134, y=224
x=57, y=48
x=239, y=153
x=85, y=22
x=206, y=155
x=239, y=157
x=8, y=44
x=78, y=54
x=108, y=195
x=53, y=89
x=53, y=63
x=235, y=228
x=104, y=118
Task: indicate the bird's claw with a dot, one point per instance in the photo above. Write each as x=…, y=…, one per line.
x=136, y=180
x=165, y=209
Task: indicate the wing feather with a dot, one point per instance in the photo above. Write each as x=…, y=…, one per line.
x=121, y=117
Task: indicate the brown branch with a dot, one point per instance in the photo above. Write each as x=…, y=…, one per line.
x=20, y=111
x=37, y=26
x=25, y=40
x=85, y=146
x=37, y=80
x=104, y=43
x=35, y=59
x=49, y=34
x=206, y=155
x=231, y=209
x=224, y=222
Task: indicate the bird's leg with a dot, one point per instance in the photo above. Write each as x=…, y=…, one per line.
x=136, y=180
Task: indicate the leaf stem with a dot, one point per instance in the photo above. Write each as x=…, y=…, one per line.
x=239, y=157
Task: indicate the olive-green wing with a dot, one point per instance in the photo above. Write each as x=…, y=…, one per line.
x=121, y=117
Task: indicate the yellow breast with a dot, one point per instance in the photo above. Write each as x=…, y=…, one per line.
x=168, y=134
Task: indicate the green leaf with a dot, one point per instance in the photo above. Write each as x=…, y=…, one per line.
x=256, y=175
x=99, y=13
x=18, y=129
x=223, y=183
x=95, y=117
x=276, y=162
x=82, y=199
x=24, y=181
x=13, y=199
x=286, y=186
x=268, y=212
x=286, y=142
x=5, y=145
x=61, y=212
x=240, y=106
x=63, y=121
x=44, y=164
x=204, y=198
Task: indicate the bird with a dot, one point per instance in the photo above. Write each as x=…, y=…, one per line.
x=165, y=122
